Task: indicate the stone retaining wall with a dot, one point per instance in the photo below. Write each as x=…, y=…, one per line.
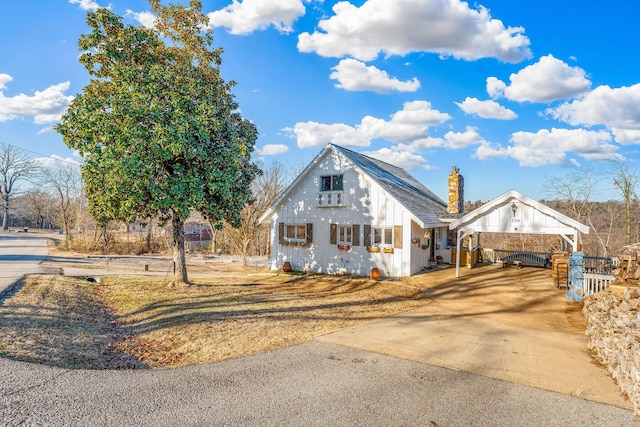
x=614, y=336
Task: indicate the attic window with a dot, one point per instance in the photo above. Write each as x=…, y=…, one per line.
x=331, y=183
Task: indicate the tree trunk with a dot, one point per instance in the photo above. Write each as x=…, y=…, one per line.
x=179, y=261
x=627, y=197
x=245, y=249
x=149, y=231
x=5, y=219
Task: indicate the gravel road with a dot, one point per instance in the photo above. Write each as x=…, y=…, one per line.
x=314, y=384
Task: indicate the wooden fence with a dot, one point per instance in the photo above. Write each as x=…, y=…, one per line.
x=594, y=282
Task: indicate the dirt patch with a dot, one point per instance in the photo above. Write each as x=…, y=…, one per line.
x=524, y=297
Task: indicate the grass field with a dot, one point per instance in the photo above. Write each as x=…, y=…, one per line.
x=127, y=322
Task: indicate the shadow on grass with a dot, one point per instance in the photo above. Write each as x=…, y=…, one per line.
x=61, y=321
x=58, y=321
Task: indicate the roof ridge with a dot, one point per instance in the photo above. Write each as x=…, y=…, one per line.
x=407, y=180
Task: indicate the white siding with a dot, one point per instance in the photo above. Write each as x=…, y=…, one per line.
x=366, y=204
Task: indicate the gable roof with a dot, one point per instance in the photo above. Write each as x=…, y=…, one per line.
x=421, y=202
x=508, y=197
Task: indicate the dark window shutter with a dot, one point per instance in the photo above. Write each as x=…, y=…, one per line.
x=355, y=235
x=309, y=233
x=281, y=232
x=333, y=234
x=367, y=235
x=397, y=236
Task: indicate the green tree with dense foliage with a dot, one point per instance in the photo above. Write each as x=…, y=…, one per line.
x=158, y=127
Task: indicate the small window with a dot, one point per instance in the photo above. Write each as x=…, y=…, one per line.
x=377, y=236
x=381, y=236
x=331, y=183
x=336, y=183
x=325, y=183
x=388, y=236
x=297, y=232
x=344, y=234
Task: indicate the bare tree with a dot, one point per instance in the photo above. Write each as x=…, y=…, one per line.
x=265, y=189
x=626, y=180
x=39, y=204
x=576, y=189
x=15, y=166
x=66, y=182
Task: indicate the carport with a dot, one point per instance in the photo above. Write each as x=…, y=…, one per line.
x=513, y=212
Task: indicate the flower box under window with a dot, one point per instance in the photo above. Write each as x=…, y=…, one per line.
x=373, y=249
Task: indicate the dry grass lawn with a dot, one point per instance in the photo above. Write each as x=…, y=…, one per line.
x=134, y=322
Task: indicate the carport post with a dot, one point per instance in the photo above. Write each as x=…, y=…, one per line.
x=458, y=252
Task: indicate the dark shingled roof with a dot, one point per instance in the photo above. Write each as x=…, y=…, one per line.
x=414, y=196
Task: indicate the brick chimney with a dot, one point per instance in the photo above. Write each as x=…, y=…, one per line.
x=456, y=192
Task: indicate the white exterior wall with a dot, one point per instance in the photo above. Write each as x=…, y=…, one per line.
x=419, y=257
x=366, y=204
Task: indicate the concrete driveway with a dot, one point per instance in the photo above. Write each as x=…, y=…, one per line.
x=508, y=324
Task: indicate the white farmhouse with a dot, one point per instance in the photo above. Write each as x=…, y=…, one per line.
x=349, y=213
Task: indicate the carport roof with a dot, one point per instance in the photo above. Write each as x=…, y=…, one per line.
x=474, y=219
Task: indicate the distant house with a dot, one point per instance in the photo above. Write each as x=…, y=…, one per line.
x=350, y=213
x=196, y=238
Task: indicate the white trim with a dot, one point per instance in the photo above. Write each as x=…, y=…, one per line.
x=568, y=228
x=513, y=195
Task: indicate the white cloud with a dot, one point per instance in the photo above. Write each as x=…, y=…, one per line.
x=86, y=4
x=402, y=159
x=495, y=87
x=55, y=160
x=352, y=74
x=399, y=27
x=147, y=19
x=553, y=147
x=422, y=144
x=272, y=150
x=250, y=15
x=44, y=106
x=464, y=139
x=486, y=109
x=616, y=108
x=4, y=79
x=313, y=134
x=409, y=124
x=547, y=80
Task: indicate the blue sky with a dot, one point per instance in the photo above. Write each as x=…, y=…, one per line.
x=512, y=92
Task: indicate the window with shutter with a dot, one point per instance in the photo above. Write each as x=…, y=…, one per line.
x=333, y=234
x=299, y=233
x=309, y=233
